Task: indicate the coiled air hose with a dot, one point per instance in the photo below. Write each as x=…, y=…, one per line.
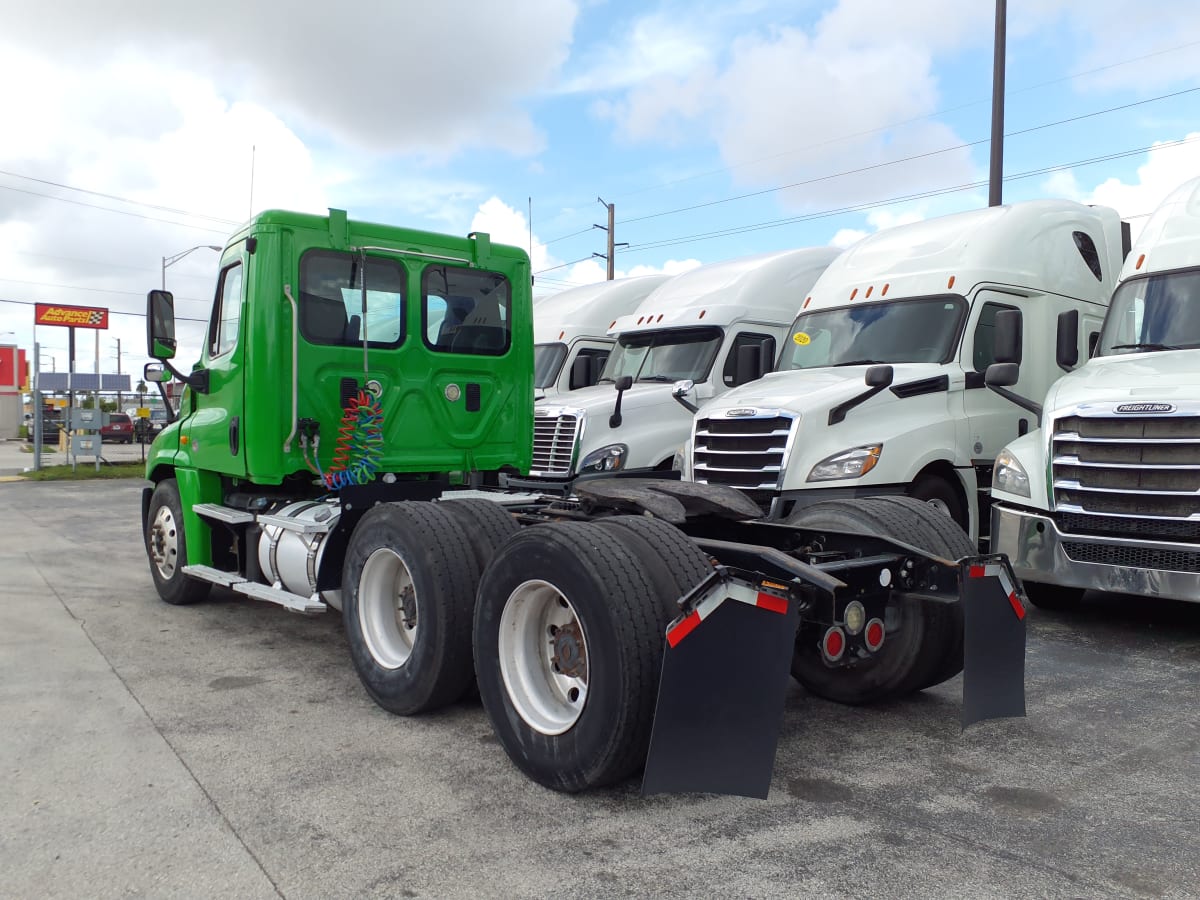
x=359, y=451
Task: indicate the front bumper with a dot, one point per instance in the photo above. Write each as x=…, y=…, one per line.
x=1035, y=547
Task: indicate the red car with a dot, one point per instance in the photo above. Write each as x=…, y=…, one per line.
x=119, y=429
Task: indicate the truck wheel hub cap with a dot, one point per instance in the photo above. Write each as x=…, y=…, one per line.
x=387, y=608
x=164, y=543
x=543, y=657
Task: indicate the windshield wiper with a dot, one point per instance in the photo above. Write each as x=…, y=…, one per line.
x=658, y=378
x=603, y=380
x=859, y=362
x=1145, y=346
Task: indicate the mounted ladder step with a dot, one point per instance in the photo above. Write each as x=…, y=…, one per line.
x=226, y=514
x=216, y=576
x=307, y=606
x=299, y=526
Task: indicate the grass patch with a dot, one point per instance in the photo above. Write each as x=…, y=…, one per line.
x=87, y=471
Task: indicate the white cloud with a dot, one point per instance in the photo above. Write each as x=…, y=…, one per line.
x=1167, y=166
x=787, y=103
x=377, y=75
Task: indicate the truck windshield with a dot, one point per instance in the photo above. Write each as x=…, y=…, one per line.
x=547, y=360
x=669, y=355
x=1159, y=312
x=922, y=330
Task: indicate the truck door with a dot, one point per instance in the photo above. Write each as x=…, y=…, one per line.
x=990, y=420
x=214, y=432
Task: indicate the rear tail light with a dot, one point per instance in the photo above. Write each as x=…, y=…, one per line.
x=833, y=645
x=873, y=635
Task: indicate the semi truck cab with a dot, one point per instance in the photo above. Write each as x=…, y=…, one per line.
x=571, y=332
x=879, y=387
x=1104, y=495
x=692, y=338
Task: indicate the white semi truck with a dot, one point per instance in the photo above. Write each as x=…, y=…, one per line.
x=570, y=332
x=1106, y=495
x=880, y=388
x=715, y=327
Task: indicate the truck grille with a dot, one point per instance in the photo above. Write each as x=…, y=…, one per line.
x=554, y=444
x=1129, y=477
x=746, y=453
x=1134, y=557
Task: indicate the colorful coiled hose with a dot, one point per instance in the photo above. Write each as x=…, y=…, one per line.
x=359, y=451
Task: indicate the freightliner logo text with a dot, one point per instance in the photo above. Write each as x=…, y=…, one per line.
x=1146, y=408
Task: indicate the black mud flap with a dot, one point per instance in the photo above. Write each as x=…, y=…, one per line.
x=721, y=695
x=993, y=640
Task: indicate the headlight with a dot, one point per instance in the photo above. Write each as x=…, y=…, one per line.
x=1009, y=476
x=853, y=463
x=606, y=459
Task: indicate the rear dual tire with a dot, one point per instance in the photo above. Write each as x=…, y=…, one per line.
x=569, y=640
x=926, y=645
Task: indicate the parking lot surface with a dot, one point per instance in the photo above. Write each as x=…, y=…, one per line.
x=227, y=749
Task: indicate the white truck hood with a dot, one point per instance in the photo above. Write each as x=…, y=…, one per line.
x=813, y=391
x=601, y=398
x=1168, y=376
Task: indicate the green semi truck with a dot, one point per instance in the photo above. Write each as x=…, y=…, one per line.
x=341, y=443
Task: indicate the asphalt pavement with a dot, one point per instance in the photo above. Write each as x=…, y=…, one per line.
x=227, y=750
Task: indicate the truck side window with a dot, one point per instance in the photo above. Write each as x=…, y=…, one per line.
x=227, y=312
x=984, y=342
x=766, y=345
x=331, y=304
x=466, y=310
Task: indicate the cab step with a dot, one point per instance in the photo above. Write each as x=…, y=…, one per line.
x=308, y=606
x=226, y=514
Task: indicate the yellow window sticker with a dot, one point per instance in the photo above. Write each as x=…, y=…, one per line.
x=801, y=338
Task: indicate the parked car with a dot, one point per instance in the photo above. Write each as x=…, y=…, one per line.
x=50, y=430
x=119, y=429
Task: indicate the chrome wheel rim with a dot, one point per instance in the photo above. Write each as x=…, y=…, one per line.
x=387, y=608
x=544, y=661
x=164, y=543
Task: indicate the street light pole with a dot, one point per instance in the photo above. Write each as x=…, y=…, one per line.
x=171, y=260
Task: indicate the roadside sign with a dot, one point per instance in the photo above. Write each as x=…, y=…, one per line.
x=72, y=316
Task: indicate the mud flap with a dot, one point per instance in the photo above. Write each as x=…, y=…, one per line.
x=721, y=695
x=993, y=640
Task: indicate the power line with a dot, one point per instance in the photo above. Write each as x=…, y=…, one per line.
x=858, y=207
x=905, y=159
x=903, y=122
x=563, y=265
x=72, y=287
x=68, y=187
x=119, y=212
x=111, y=312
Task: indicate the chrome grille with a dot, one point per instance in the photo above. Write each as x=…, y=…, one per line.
x=748, y=453
x=554, y=444
x=1135, y=557
x=1139, y=467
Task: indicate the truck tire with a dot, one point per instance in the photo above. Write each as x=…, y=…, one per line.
x=408, y=589
x=672, y=560
x=166, y=547
x=941, y=496
x=1052, y=597
x=487, y=525
x=927, y=647
x=568, y=647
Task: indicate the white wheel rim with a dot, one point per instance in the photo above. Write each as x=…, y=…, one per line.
x=387, y=608
x=538, y=627
x=164, y=542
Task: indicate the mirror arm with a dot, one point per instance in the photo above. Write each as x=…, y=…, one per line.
x=1010, y=396
x=686, y=404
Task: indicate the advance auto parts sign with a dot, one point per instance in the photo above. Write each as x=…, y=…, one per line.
x=75, y=316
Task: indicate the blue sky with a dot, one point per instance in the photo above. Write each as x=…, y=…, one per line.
x=717, y=129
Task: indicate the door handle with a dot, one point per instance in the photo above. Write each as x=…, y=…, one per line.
x=234, y=434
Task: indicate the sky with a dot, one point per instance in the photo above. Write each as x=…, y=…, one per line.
x=135, y=130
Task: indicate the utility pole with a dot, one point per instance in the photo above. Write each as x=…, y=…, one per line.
x=996, y=172
x=610, y=256
x=119, y=404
